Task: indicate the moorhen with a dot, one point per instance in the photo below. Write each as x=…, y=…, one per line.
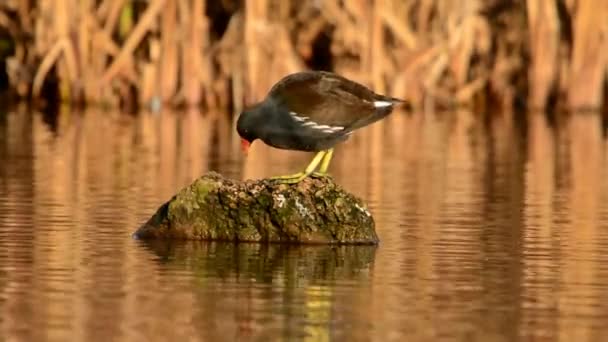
x=312, y=111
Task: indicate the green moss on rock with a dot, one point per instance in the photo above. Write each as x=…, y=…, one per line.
x=215, y=208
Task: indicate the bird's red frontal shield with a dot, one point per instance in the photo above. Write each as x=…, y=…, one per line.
x=245, y=146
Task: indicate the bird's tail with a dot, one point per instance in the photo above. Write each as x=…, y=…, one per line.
x=396, y=100
x=382, y=110
x=405, y=104
x=393, y=100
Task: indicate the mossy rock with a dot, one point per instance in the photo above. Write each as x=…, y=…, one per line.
x=214, y=208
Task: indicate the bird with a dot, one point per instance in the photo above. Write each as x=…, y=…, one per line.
x=312, y=111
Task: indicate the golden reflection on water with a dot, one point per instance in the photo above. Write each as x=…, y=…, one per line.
x=491, y=229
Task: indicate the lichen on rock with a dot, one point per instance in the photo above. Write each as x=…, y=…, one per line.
x=316, y=210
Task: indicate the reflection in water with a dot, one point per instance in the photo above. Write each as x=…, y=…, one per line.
x=243, y=286
x=490, y=230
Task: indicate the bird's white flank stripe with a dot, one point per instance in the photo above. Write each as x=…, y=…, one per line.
x=328, y=129
x=321, y=127
x=305, y=122
x=297, y=117
x=381, y=104
x=333, y=129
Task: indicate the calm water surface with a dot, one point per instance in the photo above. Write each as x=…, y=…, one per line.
x=490, y=231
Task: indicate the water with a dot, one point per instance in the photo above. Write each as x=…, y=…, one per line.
x=491, y=230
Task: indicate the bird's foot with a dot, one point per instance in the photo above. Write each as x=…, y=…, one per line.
x=298, y=177
x=320, y=175
x=290, y=179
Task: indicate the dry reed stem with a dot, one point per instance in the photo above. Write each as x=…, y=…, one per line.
x=589, y=55
x=168, y=64
x=63, y=45
x=105, y=47
x=147, y=81
x=102, y=9
x=543, y=23
x=437, y=50
x=70, y=59
x=143, y=26
x=192, y=45
x=85, y=53
x=24, y=14
x=60, y=20
x=377, y=58
x=113, y=13
x=255, y=14
x=400, y=28
x=7, y=23
x=466, y=92
x=45, y=66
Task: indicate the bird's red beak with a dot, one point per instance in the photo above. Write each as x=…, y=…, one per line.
x=245, y=146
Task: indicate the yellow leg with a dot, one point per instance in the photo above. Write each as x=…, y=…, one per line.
x=326, y=159
x=295, y=178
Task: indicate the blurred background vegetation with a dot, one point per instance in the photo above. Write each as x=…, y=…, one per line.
x=227, y=53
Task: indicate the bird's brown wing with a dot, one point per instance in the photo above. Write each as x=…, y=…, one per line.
x=326, y=98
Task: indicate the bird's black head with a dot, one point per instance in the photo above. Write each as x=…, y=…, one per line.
x=247, y=126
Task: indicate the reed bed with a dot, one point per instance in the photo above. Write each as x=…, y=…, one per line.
x=226, y=54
